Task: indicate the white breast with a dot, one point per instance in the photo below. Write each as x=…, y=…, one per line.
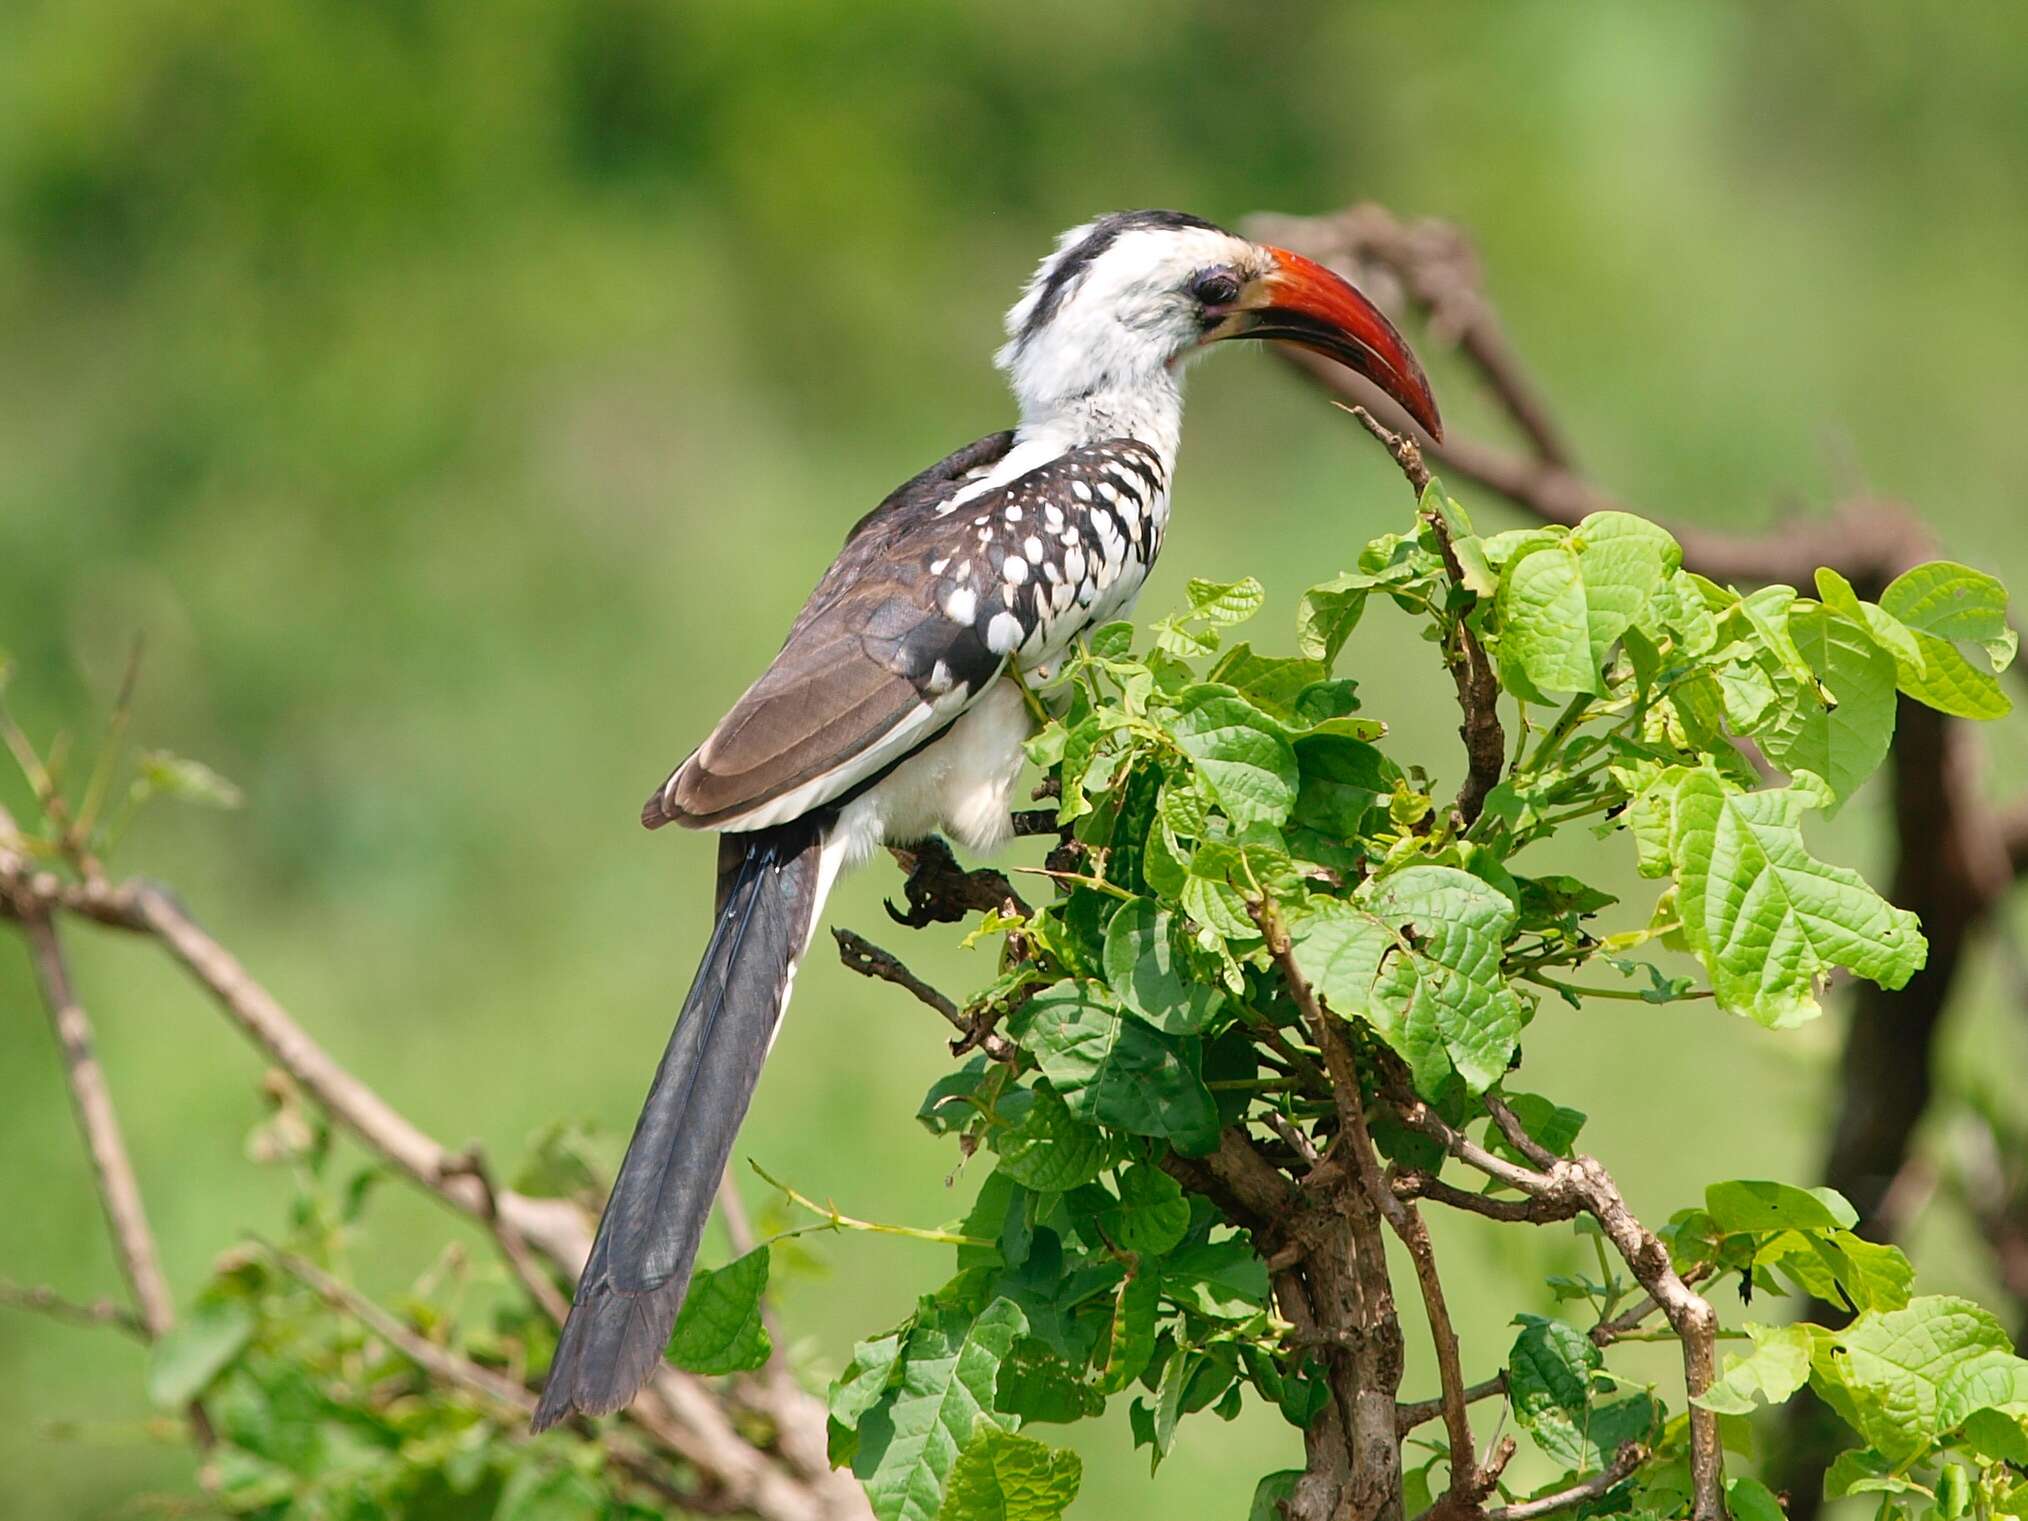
x=961, y=785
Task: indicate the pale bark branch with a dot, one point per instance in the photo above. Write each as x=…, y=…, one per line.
x=41, y=1300
x=679, y=1408
x=112, y=1169
x=1630, y=1456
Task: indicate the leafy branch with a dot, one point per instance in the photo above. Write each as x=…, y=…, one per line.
x=246, y=1342
x=1282, y=988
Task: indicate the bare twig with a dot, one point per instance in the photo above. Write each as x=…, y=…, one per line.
x=1471, y=669
x=867, y=959
x=1630, y=1456
x=691, y=1419
x=439, y=1362
x=1413, y=1413
x=1525, y=1211
x=98, y=1312
x=471, y=1163
x=119, y=1190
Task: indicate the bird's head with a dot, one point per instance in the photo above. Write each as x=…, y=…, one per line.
x=1124, y=301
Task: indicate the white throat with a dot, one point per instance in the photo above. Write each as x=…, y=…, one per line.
x=1149, y=409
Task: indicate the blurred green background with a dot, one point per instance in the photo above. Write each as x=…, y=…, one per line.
x=461, y=399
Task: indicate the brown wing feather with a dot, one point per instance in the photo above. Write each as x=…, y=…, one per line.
x=855, y=666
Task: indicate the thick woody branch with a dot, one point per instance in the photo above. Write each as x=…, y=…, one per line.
x=1468, y=1484
x=939, y=891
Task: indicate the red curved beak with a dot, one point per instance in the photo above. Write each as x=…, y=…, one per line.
x=1308, y=305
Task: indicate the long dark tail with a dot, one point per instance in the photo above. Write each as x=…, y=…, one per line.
x=771, y=883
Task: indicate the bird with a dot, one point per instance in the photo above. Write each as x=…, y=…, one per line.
x=893, y=710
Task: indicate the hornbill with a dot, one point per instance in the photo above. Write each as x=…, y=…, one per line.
x=892, y=710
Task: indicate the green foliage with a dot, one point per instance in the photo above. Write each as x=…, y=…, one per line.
x=1209, y=791
x=719, y=1328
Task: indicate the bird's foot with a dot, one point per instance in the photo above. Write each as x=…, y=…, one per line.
x=939, y=891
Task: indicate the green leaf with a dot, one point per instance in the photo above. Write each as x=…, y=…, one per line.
x=1953, y=601
x=1457, y=1002
x=1133, y=1335
x=1940, y=603
x=1270, y=1492
x=165, y=775
x=1874, y=1275
x=1623, y=559
x=1240, y=752
x=1170, y=1391
x=948, y=1105
x=1550, y=1125
x=1844, y=744
x=1038, y=1385
x=1116, y=1071
x=1002, y=1476
x=1888, y=631
x=1154, y=1214
x=1435, y=993
x=1750, y=1500
x=1767, y=614
x=1777, y=1367
x=1545, y=621
x=909, y=1445
x=1563, y=606
x=1341, y=781
x=719, y=1329
x=1549, y=1380
x=1220, y=1279
x=1990, y=1434
x=1769, y=920
x=1142, y=967
x=1913, y=1375
x=1270, y=682
x=190, y=1354
x=1746, y=1205
x=865, y=1379
x=1048, y=1148
x=1225, y=602
x=1329, y=613
x=1862, y=1471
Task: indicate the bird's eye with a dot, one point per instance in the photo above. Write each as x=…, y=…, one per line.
x=1215, y=287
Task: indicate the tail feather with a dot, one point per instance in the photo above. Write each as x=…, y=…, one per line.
x=771, y=885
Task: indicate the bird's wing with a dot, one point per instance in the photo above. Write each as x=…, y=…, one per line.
x=874, y=666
